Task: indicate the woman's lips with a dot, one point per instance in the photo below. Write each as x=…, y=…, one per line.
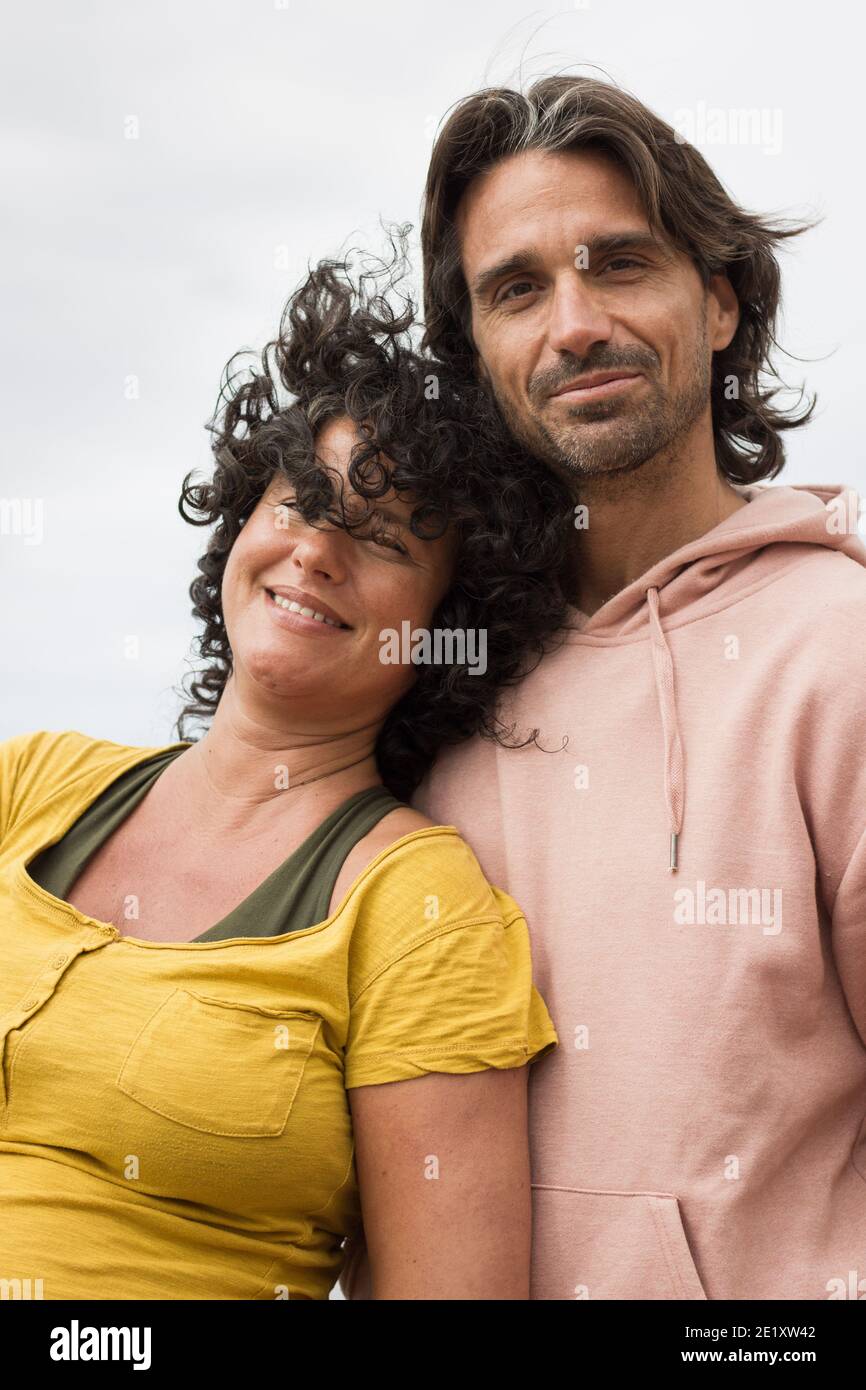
x=296, y=622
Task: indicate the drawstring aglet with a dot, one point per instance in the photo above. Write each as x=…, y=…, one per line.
x=674, y=838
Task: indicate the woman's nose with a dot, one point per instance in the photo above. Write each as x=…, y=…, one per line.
x=321, y=551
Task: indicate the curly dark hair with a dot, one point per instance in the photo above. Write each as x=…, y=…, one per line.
x=683, y=199
x=345, y=349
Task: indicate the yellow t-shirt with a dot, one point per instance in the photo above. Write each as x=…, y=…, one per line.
x=173, y=1116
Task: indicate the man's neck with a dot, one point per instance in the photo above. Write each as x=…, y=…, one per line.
x=636, y=519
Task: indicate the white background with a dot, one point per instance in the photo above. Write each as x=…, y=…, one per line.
x=270, y=136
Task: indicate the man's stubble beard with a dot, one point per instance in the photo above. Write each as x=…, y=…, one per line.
x=610, y=461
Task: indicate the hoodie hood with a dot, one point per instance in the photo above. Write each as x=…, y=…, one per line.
x=797, y=515
x=769, y=534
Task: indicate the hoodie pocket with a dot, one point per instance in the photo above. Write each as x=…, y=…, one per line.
x=610, y=1245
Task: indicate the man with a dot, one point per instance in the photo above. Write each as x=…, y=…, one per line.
x=687, y=835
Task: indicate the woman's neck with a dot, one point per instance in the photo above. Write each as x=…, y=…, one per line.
x=244, y=772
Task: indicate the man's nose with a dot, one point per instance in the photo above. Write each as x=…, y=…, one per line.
x=578, y=317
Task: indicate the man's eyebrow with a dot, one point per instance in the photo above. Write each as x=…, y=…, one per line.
x=636, y=240
x=529, y=256
x=521, y=260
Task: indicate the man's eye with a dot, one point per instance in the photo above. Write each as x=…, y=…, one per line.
x=517, y=285
x=620, y=261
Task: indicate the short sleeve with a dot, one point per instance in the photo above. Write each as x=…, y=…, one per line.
x=35, y=767
x=460, y=999
x=16, y=753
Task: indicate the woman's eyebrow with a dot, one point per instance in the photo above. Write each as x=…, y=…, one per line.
x=381, y=510
x=383, y=513
x=387, y=515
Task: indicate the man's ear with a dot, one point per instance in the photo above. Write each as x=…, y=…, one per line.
x=724, y=312
x=481, y=368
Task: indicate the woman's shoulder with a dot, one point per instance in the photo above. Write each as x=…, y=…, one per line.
x=49, y=765
x=439, y=963
x=406, y=850
x=394, y=826
x=37, y=756
x=47, y=749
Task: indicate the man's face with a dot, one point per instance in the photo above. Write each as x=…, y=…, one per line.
x=554, y=297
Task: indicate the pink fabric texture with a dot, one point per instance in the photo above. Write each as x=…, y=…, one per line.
x=699, y=1133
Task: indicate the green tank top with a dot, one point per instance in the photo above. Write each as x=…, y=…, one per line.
x=296, y=895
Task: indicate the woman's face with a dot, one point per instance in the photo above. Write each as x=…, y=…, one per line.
x=332, y=669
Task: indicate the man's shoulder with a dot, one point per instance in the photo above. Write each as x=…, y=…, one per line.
x=461, y=771
x=839, y=571
x=826, y=598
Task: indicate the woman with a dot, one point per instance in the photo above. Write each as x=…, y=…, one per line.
x=216, y=952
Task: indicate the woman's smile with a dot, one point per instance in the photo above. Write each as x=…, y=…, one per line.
x=302, y=613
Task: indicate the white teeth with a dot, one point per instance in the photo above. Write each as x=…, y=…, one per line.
x=293, y=607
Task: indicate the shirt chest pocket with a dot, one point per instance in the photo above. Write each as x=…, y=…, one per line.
x=219, y=1066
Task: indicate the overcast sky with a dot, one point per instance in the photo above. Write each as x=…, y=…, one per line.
x=269, y=135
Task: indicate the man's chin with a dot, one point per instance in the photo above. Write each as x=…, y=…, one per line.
x=594, y=447
x=572, y=459
x=588, y=467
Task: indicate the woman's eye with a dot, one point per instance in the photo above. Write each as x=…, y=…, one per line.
x=280, y=507
x=389, y=543
x=380, y=538
x=285, y=514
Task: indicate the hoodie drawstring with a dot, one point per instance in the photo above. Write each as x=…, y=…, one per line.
x=663, y=668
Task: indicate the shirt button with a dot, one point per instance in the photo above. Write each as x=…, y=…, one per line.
x=29, y=1004
x=58, y=962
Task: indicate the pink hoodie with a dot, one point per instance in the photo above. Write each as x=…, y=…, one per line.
x=699, y=1133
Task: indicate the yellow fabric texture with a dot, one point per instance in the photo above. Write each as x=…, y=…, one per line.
x=174, y=1118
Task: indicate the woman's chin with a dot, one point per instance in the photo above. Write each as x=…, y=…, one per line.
x=294, y=676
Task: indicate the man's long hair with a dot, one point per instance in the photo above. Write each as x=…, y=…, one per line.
x=682, y=198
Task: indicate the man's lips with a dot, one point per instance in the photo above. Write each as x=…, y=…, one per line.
x=598, y=384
